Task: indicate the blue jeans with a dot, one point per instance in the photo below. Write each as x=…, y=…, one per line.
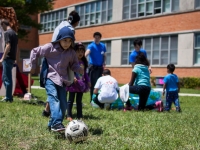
x=172, y=97
x=7, y=77
x=57, y=101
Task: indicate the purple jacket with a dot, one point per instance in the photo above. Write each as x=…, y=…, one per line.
x=82, y=83
x=58, y=60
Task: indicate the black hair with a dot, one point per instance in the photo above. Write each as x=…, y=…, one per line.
x=171, y=67
x=137, y=42
x=141, y=59
x=73, y=17
x=106, y=72
x=97, y=33
x=84, y=59
x=6, y=22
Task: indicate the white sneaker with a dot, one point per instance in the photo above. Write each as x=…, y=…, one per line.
x=124, y=93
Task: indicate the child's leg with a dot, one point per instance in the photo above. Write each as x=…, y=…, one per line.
x=79, y=96
x=128, y=103
x=70, y=103
x=169, y=99
x=176, y=102
x=55, y=95
x=101, y=105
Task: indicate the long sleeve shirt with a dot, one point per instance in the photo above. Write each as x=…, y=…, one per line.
x=58, y=61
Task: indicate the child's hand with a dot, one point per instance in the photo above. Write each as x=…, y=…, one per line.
x=75, y=80
x=163, y=93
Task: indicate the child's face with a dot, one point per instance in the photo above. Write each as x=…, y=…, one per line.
x=97, y=38
x=65, y=43
x=80, y=53
x=137, y=47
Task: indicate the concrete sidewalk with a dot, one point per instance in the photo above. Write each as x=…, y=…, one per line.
x=180, y=94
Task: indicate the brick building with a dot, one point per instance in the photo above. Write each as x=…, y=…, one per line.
x=170, y=30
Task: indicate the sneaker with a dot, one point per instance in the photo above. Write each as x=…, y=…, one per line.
x=45, y=113
x=58, y=127
x=178, y=109
x=159, y=106
x=128, y=108
x=69, y=118
x=6, y=100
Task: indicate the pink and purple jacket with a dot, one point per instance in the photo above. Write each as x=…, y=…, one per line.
x=81, y=84
x=58, y=61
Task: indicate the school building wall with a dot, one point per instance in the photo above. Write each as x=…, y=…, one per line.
x=184, y=23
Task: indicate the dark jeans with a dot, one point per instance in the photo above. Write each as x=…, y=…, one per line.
x=94, y=73
x=70, y=102
x=101, y=105
x=143, y=92
x=172, y=97
x=7, y=77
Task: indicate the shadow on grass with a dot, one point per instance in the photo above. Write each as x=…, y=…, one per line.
x=97, y=131
x=90, y=116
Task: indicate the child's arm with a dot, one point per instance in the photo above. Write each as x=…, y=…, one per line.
x=38, y=52
x=95, y=91
x=164, y=87
x=178, y=84
x=132, y=79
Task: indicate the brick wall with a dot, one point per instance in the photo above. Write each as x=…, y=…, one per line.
x=62, y=3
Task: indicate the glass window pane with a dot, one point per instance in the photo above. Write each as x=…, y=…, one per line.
x=164, y=43
x=126, y=3
x=82, y=9
x=92, y=19
x=125, y=46
x=197, y=40
x=197, y=56
x=147, y=44
x=87, y=8
x=103, y=5
x=110, y=4
x=126, y=12
x=166, y=6
x=92, y=8
x=141, y=8
x=103, y=17
x=197, y=3
x=98, y=18
x=140, y=1
x=133, y=11
x=108, y=57
x=175, y=5
x=156, y=43
x=98, y=6
x=61, y=15
x=134, y=2
x=173, y=57
x=174, y=43
x=157, y=4
x=149, y=8
x=109, y=15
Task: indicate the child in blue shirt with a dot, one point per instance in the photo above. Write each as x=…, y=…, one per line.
x=171, y=84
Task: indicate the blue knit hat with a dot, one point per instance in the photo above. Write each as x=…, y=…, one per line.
x=65, y=32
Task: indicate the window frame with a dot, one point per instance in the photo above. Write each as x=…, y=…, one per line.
x=196, y=49
x=146, y=13
x=101, y=12
x=151, y=50
x=197, y=4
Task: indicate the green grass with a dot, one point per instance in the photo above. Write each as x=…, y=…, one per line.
x=23, y=127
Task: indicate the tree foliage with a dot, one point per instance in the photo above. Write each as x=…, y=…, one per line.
x=25, y=9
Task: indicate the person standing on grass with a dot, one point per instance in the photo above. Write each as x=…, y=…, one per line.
x=97, y=60
x=81, y=84
x=59, y=56
x=137, y=49
x=139, y=83
x=172, y=87
x=105, y=89
x=71, y=23
x=8, y=59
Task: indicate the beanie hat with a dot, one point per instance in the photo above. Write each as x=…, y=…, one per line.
x=73, y=17
x=65, y=32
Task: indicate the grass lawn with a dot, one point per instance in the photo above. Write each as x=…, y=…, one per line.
x=23, y=127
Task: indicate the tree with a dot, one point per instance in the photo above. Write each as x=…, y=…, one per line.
x=25, y=9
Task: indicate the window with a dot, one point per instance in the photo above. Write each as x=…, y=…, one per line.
x=95, y=12
x=197, y=48
x=140, y=8
x=24, y=54
x=108, y=51
x=160, y=50
x=197, y=3
x=52, y=19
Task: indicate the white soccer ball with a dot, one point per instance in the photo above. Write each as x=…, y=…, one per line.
x=76, y=131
